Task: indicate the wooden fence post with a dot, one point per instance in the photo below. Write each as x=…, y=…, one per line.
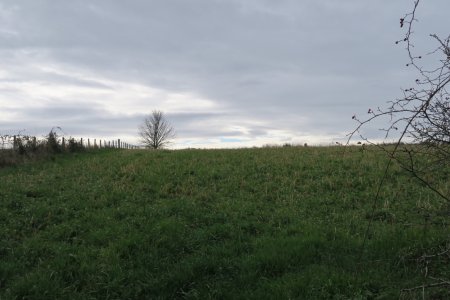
x=14, y=143
x=102, y=144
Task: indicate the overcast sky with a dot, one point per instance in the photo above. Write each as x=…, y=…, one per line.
x=227, y=73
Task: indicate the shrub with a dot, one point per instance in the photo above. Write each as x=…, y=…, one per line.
x=52, y=143
x=15, y=149
x=74, y=146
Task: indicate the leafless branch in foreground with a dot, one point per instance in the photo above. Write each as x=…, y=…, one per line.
x=420, y=119
x=419, y=122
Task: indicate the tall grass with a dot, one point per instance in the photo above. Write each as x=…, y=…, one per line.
x=273, y=223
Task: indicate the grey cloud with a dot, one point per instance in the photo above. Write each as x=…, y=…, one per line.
x=302, y=66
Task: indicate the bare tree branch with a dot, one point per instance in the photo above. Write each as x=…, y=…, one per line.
x=420, y=120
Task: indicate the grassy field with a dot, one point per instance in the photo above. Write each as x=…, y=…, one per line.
x=271, y=223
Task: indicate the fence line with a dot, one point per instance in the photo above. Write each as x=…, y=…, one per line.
x=13, y=142
x=101, y=143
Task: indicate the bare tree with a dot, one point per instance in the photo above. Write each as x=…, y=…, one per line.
x=156, y=132
x=420, y=120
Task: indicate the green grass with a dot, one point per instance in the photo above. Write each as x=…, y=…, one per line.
x=272, y=223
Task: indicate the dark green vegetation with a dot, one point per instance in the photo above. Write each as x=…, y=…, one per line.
x=227, y=224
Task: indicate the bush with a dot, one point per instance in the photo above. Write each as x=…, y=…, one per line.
x=15, y=149
x=52, y=143
x=74, y=146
